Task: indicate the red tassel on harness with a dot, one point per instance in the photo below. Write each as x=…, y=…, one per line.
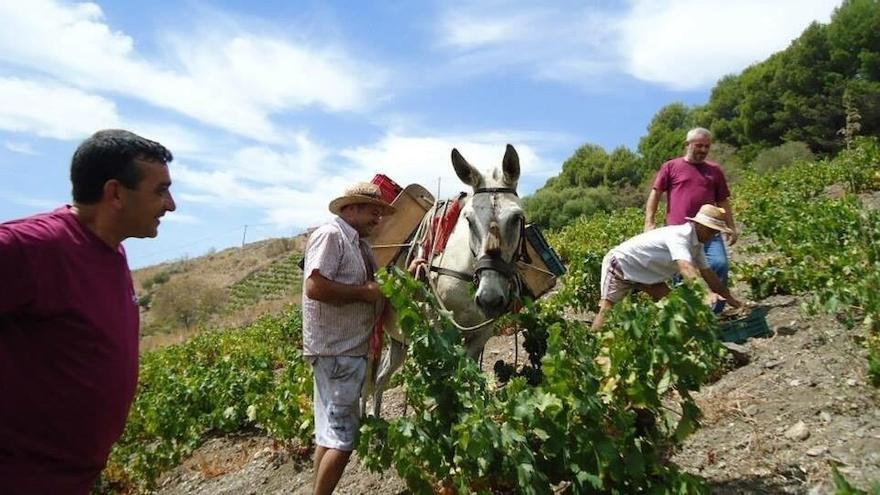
x=442, y=226
x=378, y=333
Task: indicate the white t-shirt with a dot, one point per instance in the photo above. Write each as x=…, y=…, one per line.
x=650, y=258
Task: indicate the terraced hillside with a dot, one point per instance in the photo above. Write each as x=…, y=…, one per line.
x=269, y=283
x=231, y=287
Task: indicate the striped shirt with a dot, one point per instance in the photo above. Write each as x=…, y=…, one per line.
x=337, y=252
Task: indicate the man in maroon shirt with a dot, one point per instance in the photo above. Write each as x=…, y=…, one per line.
x=690, y=182
x=69, y=317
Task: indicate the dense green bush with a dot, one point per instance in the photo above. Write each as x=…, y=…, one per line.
x=825, y=246
x=779, y=157
x=594, y=421
x=218, y=382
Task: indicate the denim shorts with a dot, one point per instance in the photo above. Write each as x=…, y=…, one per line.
x=338, y=382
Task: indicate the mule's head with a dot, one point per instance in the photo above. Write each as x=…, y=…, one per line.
x=496, y=221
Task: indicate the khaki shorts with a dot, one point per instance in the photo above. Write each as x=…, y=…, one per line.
x=613, y=286
x=338, y=382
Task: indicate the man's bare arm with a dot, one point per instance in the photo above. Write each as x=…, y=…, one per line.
x=320, y=288
x=728, y=219
x=690, y=272
x=687, y=269
x=651, y=209
x=717, y=287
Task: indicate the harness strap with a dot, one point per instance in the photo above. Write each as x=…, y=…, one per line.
x=481, y=190
x=496, y=264
x=523, y=249
x=452, y=273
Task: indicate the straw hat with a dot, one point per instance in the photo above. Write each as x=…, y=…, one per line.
x=711, y=216
x=361, y=193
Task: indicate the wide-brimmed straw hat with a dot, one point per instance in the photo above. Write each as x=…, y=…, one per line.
x=711, y=216
x=361, y=193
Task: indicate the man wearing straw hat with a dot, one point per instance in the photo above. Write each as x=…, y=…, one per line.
x=648, y=260
x=339, y=307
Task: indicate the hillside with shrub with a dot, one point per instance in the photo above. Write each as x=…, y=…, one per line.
x=232, y=287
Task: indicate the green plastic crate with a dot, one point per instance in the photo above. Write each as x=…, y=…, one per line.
x=741, y=329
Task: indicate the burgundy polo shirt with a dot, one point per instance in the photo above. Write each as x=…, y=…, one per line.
x=68, y=353
x=690, y=186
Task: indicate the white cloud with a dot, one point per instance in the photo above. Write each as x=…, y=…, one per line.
x=567, y=42
x=682, y=44
x=425, y=159
x=182, y=218
x=52, y=110
x=409, y=159
x=177, y=138
x=265, y=165
x=20, y=147
x=466, y=32
x=282, y=205
x=293, y=188
x=686, y=44
x=232, y=79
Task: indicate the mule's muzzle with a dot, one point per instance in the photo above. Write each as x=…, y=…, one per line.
x=493, y=277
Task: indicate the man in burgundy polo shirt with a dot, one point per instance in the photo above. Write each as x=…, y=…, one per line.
x=690, y=182
x=69, y=317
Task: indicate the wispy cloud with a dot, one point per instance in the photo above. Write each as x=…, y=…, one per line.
x=182, y=218
x=52, y=110
x=224, y=75
x=686, y=44
x=568, y=42
x=289, y=200
x=20, y=147
x=282, y=205
x=462, y=31
x=681, y=44
x=427, y=159
x=302, y=165
x=180, y=139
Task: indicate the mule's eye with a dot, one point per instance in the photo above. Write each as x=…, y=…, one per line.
x=515, y=219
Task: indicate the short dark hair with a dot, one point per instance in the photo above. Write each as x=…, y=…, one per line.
x=111, y=154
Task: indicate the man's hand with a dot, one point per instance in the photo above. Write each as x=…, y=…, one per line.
x=418, y=268
x=650, y=226
x=736, y=303
x=732, y=237
x=371, y=292
x=714, y=297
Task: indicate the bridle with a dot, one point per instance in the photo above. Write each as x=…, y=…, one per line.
x=492, y=260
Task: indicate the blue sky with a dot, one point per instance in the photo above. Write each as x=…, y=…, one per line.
x=271, y=108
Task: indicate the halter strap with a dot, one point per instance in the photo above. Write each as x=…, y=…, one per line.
x=452, y=273
x=483, y=190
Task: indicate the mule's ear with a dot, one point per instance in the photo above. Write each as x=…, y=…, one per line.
x=464, y=170
x=510, y=166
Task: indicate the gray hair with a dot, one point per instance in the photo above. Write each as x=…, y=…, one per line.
x=698, y=131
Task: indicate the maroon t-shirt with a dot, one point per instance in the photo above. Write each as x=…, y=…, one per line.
x=68, y=353
x=690, y=186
